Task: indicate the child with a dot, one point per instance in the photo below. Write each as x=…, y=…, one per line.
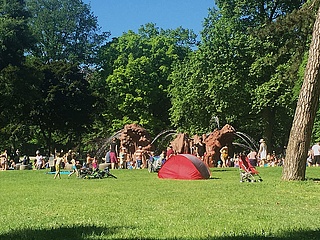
x=74, y=167
x=94, y=164
x=58, y=166
x=123, y=157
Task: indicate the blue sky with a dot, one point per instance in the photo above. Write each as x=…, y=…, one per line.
x=119, y=16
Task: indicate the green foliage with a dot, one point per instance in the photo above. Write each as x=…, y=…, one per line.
x=46, y=96
x=246, y=68
x=216, y=78
x=247, y=71
x=64, y=103
x=136, y=67
x=16, y=86
x=187, y=93
x=65, y=29
x=15, y=37
x=18, y=90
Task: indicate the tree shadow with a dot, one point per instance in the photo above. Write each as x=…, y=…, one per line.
x=286, y=235
x=62, y=233
x=100, y=233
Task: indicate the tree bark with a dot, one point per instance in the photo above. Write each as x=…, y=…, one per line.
x=299, y=141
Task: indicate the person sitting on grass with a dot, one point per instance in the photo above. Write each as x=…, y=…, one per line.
x=94, y=164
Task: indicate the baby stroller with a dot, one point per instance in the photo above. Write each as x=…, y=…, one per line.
x=247, y=172
x=154, y=164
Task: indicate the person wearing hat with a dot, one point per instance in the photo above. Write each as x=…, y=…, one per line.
x=224, y=156
x=262, y=152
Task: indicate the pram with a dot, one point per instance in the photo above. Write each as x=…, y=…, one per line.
x=247, y=172
x=154, y=164
x=98, y=174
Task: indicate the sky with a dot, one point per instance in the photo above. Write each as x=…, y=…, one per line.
x=119, y=16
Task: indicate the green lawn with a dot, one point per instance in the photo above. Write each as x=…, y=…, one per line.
x=138, y=205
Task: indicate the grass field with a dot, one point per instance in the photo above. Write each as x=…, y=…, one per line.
x=138, y=205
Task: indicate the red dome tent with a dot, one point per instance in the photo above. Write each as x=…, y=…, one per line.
x=184, y=166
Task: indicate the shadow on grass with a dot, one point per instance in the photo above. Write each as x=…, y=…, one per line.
x=292, y=235
x=317, y=180
x=63, y=233
x=222, y=169
x=213, y=178
x=100, y=233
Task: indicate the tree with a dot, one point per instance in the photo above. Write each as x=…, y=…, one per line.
x=15, y=37
x=65, y=30
x=215, y=76
x=308, y=102
x=68, y=39
x=242, y=67
x=136, y=69
x=63, y=106
x=16, y=79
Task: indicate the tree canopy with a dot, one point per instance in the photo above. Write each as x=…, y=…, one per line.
x=135, y=70
x=245, y=69
x=65, y=29
x=68, y=83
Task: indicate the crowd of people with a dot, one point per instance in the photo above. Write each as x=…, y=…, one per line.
x=119, y=158
x=8, y=162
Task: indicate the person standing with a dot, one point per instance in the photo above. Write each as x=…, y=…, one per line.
x=107, y=157
x=39, y=160
x=123, y=158
x=200, y=149
x=58, y=166
x=252, y=156
x=113, y=153
x=224, y=154
x=74, y=166
x=138, y=157
x=4, y=160
x=262, y=152
x=316, y=154
x=17, y=156
x=170, y=152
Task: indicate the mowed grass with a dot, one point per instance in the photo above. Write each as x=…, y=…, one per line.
x=138, y=205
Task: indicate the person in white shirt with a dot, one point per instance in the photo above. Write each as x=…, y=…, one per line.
x=316, y=154
x=39, y=161
x=262, y=152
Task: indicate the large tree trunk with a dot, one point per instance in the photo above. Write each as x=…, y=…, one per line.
x=299, y=141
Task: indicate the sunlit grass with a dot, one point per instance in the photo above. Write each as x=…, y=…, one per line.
x=138, y=205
